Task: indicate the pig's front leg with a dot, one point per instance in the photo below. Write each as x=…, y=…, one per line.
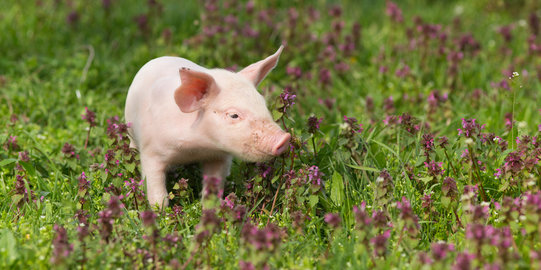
x=154, y=174
x=217, y=169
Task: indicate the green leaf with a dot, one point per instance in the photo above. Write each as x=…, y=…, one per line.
x=276, y=115
x=8, y=246
x=363, y=168
x=7, y=161
x=274, y=179
x=29, y=168
x=314, y=199
x=337, y=188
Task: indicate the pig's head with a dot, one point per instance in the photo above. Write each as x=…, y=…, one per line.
x=232, y=115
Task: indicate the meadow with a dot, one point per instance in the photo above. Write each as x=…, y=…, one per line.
x=415, y=131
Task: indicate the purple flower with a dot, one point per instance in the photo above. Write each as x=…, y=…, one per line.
x=427, y=141
x=324, y=76
x=287, y=98
x=83, y=183
x=333, y=220
x=266, y=239
x=11, y=143
x=440, y=250
x=362, y=218
x=313, y=124
x=424, y=258
x=90, y=117
x=23, y=156
x=380, y=243
x=388, y=104
x=61, y=246
x=314, y=176
x=134, y=187
x=470, y=128
x=403, y=72
x=72, y=18
x=394, y=12
x=295, y=72
x=434, y=168
x=243, y=265
x=212, y=186
x=449, y=188
x=463, y=261
x=533, y=21
x=148, y=217
x=352, y=125
x=68, y=150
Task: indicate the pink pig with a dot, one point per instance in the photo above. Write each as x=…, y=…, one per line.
x=183, y=113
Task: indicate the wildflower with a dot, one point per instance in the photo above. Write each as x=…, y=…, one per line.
x=533, y=21
x=148, y=217
x=443, y=141
x=513, y=163
x=470, y=128
x=23, y=156
x=434, y=168
x=427, y=141
x=388, y=104
x=68, y=150
x=313, y=124
x=287, y=98
x=380, y=243
x=298, y=219
x=106, y=4
x=90, y=117
x=212, y=186
x=134, y=187
x=352, y=125
x=409, y=123
x=394, y=12
x=209, y=219
x=362, y=218
x=324, y=76
x=11, y=143
x=333, y=220
x=407, y=215
x=440, y=250
x=72, y=18
x=403, y=72
x=380, y=219
x=448, y=187
x=266, y=239
x=295, y=72
x=314, y=176
x=480, y=213
x=243, y=265
x=83, y=183
x=424, y=258
x=463, y=261
x=61, y=246
x=142, y=22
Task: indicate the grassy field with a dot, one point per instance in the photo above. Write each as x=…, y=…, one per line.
x=415, y=136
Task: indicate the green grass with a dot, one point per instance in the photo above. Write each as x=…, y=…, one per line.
x=51, y=69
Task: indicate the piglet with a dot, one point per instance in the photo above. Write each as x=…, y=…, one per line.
x=183, y=113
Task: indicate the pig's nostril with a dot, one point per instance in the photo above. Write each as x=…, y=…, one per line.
x=282, y=144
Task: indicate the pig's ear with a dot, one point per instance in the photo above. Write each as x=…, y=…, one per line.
x=194, y=89
x=256, y=72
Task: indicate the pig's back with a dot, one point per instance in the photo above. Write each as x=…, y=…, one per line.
x=162, y=72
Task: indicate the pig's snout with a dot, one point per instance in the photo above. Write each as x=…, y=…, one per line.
x=281, y=144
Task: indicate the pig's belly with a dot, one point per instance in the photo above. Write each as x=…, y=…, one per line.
x=187, y=156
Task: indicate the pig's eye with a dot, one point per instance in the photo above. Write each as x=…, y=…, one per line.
x=234, y=115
